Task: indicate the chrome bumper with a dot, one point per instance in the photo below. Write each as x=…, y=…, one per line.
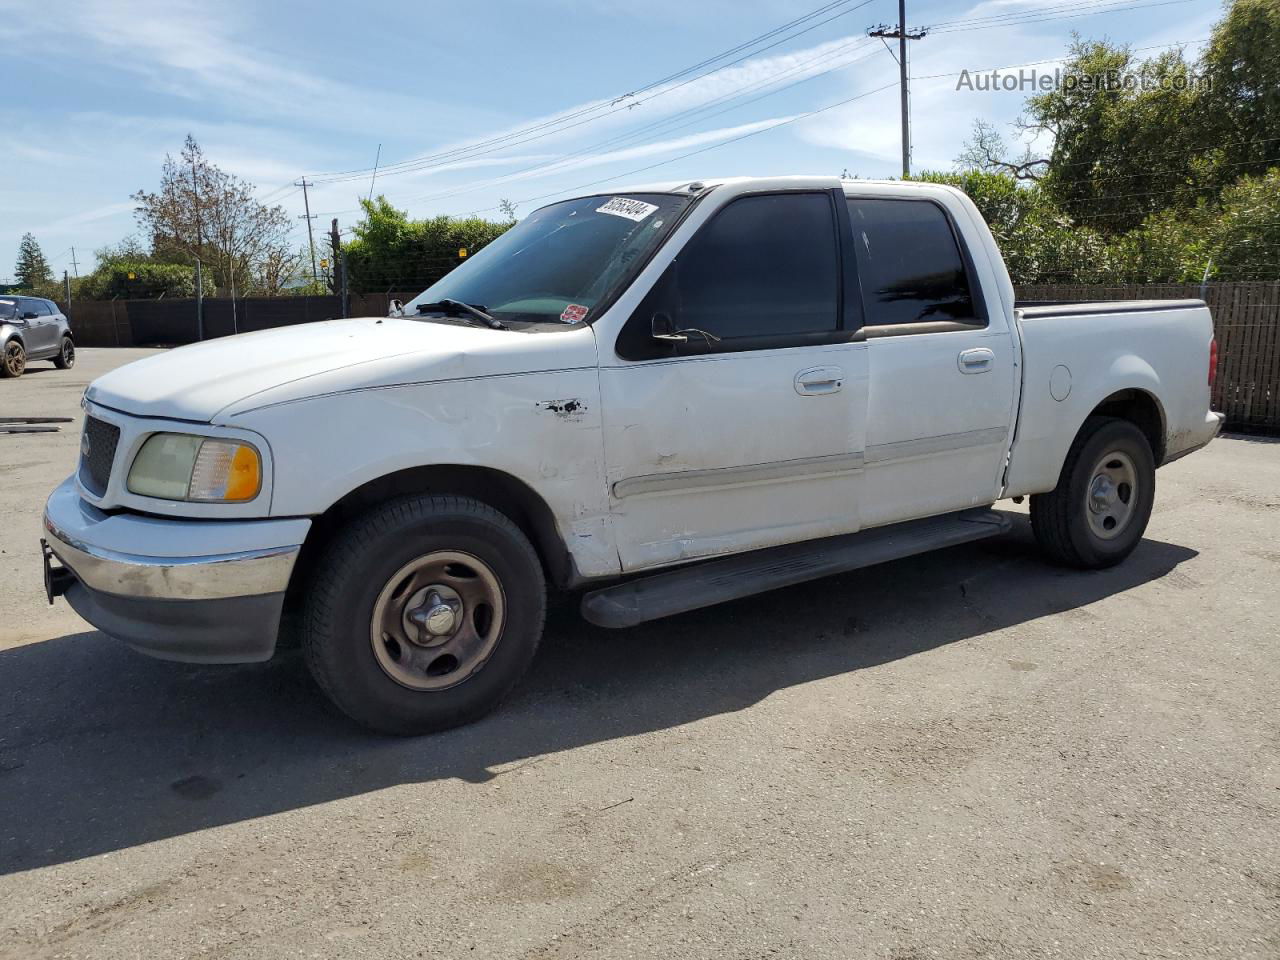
x=128, y=575
x=215, y=577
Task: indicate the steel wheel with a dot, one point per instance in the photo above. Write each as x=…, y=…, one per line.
x=437, y=620
x=15, y=359
x=1111, y=495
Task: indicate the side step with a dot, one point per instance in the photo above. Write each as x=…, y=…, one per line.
x=706, y=584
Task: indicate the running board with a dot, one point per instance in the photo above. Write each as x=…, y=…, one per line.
x=717, y=581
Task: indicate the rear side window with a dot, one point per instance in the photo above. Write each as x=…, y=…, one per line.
x=765, y=266
x=909, y=264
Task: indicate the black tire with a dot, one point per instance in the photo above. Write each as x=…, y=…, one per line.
x=1061, y=519
x=13, y=360
x=66, y=358
x=353, y=578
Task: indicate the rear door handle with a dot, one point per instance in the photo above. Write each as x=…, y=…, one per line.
x=976, y=360
x=819, y=381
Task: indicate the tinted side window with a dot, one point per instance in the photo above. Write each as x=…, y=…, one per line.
x=762, y=267
x=38, y=307
x=909, y=263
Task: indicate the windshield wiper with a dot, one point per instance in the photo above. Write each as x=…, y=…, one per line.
x=448, y=306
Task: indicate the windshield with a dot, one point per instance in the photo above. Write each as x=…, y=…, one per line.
x=560, y=261
x=8, y=309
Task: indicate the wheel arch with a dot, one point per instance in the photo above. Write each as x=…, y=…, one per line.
x=500, y=490
x=1143, y=409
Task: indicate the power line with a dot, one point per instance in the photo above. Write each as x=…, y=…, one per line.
x=692, y=153
x=1087, y=7
x=1032, y=17
x=620, y=139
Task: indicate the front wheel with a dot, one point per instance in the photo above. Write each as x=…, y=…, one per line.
x=13, y=360
x=424, y=613
x=1098, y=513
x=66, y=358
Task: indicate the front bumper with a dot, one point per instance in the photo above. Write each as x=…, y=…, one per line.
x=205, y=591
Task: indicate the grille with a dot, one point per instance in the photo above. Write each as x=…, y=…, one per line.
x=97, y=451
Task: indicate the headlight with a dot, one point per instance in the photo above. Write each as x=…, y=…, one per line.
x=177, y=466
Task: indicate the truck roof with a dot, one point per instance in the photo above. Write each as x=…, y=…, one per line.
x=696, y=185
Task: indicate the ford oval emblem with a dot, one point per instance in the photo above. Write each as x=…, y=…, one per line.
x=84, y=444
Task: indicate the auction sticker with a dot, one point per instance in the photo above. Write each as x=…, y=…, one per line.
x=635, y=210
x=574, y=312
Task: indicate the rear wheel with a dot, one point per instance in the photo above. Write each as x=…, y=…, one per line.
x=13, y=360
x=1099, y=511
x=66, y=358
x=424, y=613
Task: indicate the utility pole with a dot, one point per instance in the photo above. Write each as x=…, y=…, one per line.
x=345, y=293
x=374, y=179
x=66, y=283
x=199, y=302
x=339, y=263
x=75, y=267
x=902, y=35
x=311, y=240
x=195, y=204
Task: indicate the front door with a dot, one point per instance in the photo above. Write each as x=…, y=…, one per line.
x=42, y=329
x=746, y=430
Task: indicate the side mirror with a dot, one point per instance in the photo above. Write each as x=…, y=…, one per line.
x=395, y=309
x=662, y=327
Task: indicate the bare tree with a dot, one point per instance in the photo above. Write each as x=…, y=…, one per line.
x=203, y=211
x=987, y=150
x=277, y=270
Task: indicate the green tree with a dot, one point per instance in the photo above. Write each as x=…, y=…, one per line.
x=1241, y=109
x=1121, y=150
x=390, y=252
x=32, y=269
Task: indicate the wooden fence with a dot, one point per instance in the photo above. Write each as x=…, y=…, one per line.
x=1246, y=320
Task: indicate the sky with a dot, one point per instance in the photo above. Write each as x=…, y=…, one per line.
x=464, y=105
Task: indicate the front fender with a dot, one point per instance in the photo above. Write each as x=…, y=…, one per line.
x=544, y=429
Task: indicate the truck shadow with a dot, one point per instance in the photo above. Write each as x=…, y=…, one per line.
x=102, y=749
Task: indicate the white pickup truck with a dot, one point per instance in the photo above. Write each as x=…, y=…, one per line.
x=662, y=398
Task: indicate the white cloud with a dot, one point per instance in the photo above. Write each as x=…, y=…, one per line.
x=69, y=223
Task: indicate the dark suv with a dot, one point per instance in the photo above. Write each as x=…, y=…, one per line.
x=33, y=329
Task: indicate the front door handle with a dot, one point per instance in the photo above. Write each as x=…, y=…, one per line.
x=819, y=381
x=976, y=360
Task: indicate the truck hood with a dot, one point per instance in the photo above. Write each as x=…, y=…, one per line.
x=219, y=379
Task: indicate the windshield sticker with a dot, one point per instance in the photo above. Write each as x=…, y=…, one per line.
x=575, y=312
x=635, y=210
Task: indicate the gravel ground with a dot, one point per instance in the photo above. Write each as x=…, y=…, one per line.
x=967, y=754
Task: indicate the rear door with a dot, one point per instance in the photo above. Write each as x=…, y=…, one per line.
x=942, y=366
x=748, y=432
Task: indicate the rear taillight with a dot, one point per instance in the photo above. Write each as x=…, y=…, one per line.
x=1213, y=360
